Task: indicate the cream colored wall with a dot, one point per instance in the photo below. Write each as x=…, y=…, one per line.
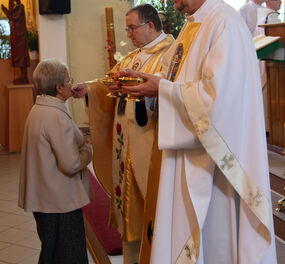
x=52, y=37
x=86, y=41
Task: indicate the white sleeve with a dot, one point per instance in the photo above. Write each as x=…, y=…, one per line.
x=175, y=128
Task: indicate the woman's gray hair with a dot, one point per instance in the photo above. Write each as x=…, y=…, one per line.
x=48, y=74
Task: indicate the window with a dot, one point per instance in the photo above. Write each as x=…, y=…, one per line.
x=4, y=39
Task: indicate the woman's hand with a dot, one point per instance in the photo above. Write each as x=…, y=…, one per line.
x=79, y=90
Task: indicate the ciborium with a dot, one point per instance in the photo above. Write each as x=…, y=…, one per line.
x=132, y=81
x=108, y=80
x=129, y=81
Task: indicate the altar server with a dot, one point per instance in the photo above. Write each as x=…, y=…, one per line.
x=249, y=13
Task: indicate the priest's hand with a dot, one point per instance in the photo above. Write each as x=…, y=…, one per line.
x=148, y=88
x=79, y=90
x=115, y=87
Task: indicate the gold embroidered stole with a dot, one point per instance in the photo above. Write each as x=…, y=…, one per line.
x=191, y=248
x=226, y=161
x=185, y=42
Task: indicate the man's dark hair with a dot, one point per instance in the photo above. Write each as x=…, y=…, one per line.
x=147, y=13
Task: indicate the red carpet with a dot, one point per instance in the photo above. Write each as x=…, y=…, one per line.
x=97, y=214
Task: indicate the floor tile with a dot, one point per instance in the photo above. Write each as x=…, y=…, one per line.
x=280, y=248
x=28, y=226
x=20, y=211
x=30, y=242
x=8, y=186
x=116, y=259
x=14, y=220
x=8, y=206
x=4, y=245
x=90, y=259
x=14, y=235
x=3, y=228
x=3, y=214
x=16, y=254
x=11, y=196
x=30, y=260
x=281, y=260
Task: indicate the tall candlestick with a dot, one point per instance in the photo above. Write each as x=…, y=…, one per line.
x=111, y=44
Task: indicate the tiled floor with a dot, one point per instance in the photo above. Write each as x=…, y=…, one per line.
x=19, y=243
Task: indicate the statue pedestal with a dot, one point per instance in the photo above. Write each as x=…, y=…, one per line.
x=20, y=104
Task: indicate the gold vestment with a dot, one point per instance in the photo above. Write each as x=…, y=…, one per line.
x=122, y=150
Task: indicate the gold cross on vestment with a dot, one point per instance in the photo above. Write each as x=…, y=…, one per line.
x=227, y=162
x=188, y=251
x=254, y=198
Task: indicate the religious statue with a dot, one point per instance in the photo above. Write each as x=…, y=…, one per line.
x=18, y=38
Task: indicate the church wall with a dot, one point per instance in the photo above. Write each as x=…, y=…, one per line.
x=52, y=37
x=79, y=39
x=86, y=41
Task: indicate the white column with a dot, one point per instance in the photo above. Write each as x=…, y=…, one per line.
x=52, y=37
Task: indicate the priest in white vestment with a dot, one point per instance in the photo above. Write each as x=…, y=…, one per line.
x=214, y=204
x=249, y=13
x=267, y=15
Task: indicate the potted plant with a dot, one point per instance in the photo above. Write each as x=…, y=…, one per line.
x=33, y=44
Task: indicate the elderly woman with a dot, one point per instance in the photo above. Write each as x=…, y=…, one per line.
x=54, y=182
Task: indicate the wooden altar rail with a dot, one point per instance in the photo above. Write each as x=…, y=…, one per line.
x=276, y=100
x=276, y=89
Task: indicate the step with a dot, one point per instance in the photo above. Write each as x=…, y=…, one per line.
x=277, y=172
x=278, y=217
x=277, y=182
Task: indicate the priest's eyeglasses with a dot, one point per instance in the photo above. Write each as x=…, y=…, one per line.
x=131, y=28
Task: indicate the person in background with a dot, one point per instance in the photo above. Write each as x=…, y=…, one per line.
x=127, y=130
x=54, y=181
x=269, y=14
x=249, y=13
x=214, y=200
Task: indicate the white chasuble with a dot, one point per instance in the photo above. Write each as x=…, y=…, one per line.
x=214, y=202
